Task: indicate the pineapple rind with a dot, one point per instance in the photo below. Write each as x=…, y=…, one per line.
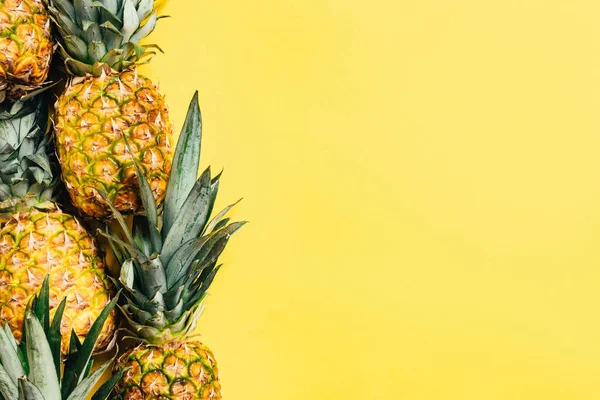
x=175, y=370
x=25, y=46
x=92, y=116
x=36, y=243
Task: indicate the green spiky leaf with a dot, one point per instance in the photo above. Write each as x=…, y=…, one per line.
x=28, y=391
x=42, y=373
x=185, y=165
x=72, y=376
x=191, y=219
x=54, y=336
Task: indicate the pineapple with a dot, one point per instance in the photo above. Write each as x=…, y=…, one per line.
x=25, y=46
x=37, y=238
x=166, y=269
x=32, y=370
x=108, y=101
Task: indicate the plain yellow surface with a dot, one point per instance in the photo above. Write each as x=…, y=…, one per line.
x=423, y=183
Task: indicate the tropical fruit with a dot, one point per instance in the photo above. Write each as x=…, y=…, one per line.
x=25, y=46
x=37, y=238
x=167, y=264
x=32, y=370
x=108, y=102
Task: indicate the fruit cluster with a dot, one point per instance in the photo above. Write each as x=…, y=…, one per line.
x=103, y=156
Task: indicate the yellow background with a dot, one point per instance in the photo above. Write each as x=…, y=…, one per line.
x=422, y=179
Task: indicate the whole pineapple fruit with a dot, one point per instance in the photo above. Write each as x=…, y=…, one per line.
x=109, y=101
x=37, y=238
x=25, y=46
x=166, y=269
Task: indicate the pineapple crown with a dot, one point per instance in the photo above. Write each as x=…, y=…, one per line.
x=31, y=370
x=98, y=35
x=168, y=263
x=28, y=171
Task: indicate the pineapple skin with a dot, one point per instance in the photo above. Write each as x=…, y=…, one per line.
x=25, y=46
x=92, y=115
x=175, y=370
x=34, y=244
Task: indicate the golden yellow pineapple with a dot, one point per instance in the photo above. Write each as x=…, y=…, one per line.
x=37, y=239
x=92, y=116
x=167, y=266
x=36, y=243
x=25, y=46
x=177, y=370
x=108, y=105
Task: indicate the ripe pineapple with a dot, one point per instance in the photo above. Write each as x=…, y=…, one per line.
x=165, y=272
x=107, y=101
x=25, y=46
x=37, y=238
x=32, y=370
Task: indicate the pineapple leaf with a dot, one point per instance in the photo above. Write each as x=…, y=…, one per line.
x=174, y=312
x=10, y=360
x=28, y=391
x=91, y=32
x=132, y=249
x=10, y=336
x=144, y=30
x=127, y=275
x=211, y=256
x=65, y=24
x=96, y=50
x=76, y=46
x=118, y=216
x=221, y=224
x=113, y=56
x=192, y=217
x=173, y=296
x=130, y=20
x=144, y=8
x=207, y=281
x=65, y=7
x=153, y=276
x=130, y=309
x=217, y=242
x=106, y=389
x=17, y=348
x=41, y=305
x=73, y=375
x=8, y=388
x=107, y=6
x=76, y=67
x=215, y=221
x=117, y=250
x=141, y=235
x=87, y=384
x=148, y=202
x=54, y=336
x=185, y=165
x=42, y=372
x=74, y=347
x=182, y=259
x=108, y=25
x=85, y=11
x=131, y=292
x=187, y=318
x=86, y=371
